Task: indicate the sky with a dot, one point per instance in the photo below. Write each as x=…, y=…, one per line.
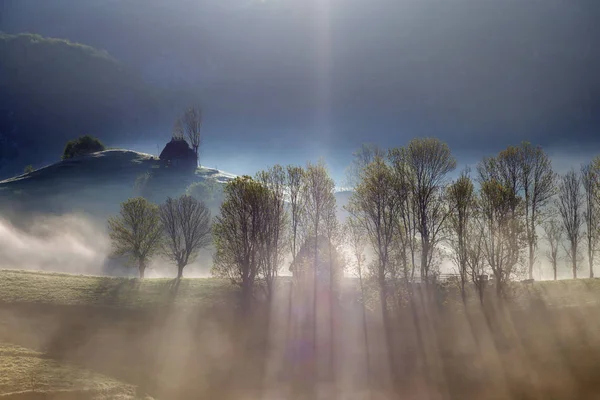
x=284, y=81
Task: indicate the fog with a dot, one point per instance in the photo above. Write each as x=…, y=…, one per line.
x=74, y=243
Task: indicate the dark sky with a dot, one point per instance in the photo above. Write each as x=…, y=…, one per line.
x=290, y=80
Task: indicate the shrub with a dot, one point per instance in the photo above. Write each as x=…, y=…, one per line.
x=208, y=191
x=81, y=146
x=28, y=169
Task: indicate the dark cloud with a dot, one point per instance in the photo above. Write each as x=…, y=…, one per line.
x=330, y=74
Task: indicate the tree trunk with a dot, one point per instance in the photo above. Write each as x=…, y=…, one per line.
x=574, y=260
x=142, y=269
x=365, y=333
x=554, y=268
x=180, y=271
x=531, y=259
x=591, y=260
x=424, y=255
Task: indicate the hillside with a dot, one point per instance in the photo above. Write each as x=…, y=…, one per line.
x=98, y=183
x=54, y=90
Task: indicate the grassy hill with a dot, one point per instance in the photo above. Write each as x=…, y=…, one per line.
x=98, y=183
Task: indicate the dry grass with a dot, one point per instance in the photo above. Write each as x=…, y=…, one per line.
x=24, y=287
x=26, y=374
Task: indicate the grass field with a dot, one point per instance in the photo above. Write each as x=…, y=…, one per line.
x=18, y=287
x=151, y=336
x=27, y=374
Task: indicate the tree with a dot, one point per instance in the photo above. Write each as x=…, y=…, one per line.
x=186, y=223
x=553, y=233
x=81, y=146
x=241, y=234
x=475, y=256
x=178, y=130
x=192, y=124
x=501, y=223
x=362, y=157
x=294, y=182
x=208, y=191
x=429, y=161
x=275, y=221
x=28, y=169
x=319, y=200
x=136, y=231
x=570, y=204
x=590, y=181
x=407, y=222
x=461, y=199
x=537, y=180
x=356, y=241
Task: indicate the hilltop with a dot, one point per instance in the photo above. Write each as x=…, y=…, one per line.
x=98, y=183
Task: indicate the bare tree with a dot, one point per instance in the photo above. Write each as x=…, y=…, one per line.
x=538, y=183
x=461, y=199
x=502, y=224
x=186, y=223
x=192, y=124
x=319, y=200
x=408, y=220
x=178, y=129
x=275, y=220
x=553, y=233
x=429, y=161
x=136, y=231
x=590, y=181
x=570, y=204
x=294, y=182
x=361, y=158
x=376, y=205
x=475, y=256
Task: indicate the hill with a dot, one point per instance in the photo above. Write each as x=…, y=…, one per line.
x=96, y=184
x=54, y=90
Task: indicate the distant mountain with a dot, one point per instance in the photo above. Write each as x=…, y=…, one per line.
x=53, y=90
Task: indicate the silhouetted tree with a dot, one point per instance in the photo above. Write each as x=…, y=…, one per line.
x=136, y=231
x=590, y=181
x=273, y=238
x=570, y=208
x=461, y=199
x=186, y=222
x=538, y=182
x=429, y=161
x=81, y=146
x=242, y=233
x=553, y=233
x=361, y=158
x=294, y=180
x=502, y=223
x=192, y=125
